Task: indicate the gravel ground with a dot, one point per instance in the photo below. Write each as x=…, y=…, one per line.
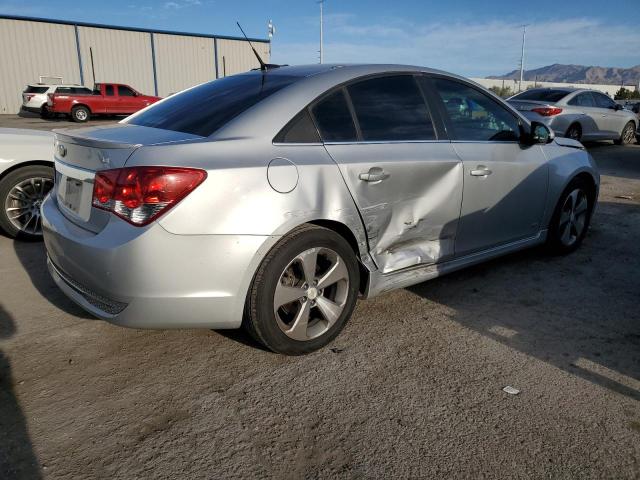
x=411, y=389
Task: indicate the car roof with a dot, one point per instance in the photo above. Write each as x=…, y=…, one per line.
x=55, y=85
x=357, y=69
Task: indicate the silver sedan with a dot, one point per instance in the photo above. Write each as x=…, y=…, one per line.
x=579, y=114
x=273, y=199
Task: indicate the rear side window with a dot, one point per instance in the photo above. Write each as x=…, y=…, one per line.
x=391, y=109
x=125, y=91
x=583, y=100
x=299, y=130
x=109, y=90
x=475, y=116
x=32, y=89
x=206, y=108
x=334, y=119
x=542, y=95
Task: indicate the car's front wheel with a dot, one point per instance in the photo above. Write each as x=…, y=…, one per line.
x=21, y=194
x=627, y=135
x=304, y=291
x=571, y=217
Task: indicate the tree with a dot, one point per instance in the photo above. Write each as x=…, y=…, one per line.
x=626, y=94
x=503, y=92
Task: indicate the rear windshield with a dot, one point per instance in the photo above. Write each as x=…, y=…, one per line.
x=542, y=95
x=32, y=89
x=204, y=109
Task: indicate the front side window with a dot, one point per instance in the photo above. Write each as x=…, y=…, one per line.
x=583, y=100
x=602, y=101
x=333, y=118
x=125, y=91
x=204, y=109
x=391, y=108
x=474, y=116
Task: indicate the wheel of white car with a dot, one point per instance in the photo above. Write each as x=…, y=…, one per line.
x=571, y=217
x=627, y=135
x=21, y=194
x=304, y=292
x=80, y=113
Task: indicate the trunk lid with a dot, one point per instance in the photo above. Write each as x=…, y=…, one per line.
x=80, y=153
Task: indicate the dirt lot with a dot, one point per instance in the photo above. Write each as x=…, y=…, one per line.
x=412, y=387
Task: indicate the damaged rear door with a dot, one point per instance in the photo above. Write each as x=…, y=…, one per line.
x=406, y=182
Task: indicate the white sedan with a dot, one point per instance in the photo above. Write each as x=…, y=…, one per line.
x=26, y=176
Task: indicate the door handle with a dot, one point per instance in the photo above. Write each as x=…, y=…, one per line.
x=481, y=171
x=374, y=175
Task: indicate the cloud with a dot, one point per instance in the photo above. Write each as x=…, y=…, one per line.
x=474, y=49
x=177, y=5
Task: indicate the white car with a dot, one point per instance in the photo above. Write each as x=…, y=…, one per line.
x=34, y=97
x=26, y=176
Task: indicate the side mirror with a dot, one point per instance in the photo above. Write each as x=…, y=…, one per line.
x=616, y=107
x=538, y=133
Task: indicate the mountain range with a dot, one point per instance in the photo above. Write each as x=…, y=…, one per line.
x=578, y=74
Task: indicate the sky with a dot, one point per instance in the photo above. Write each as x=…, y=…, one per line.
x=472, y=38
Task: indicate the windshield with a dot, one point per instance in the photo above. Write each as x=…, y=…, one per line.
x=204, y=109
x=545, y=95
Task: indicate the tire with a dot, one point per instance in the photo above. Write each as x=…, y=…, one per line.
x=570, y=221
x=45, y=113
x=281, y=276
x=627, y=135
x=574, y=132
x=21, y=194
x=80, y=114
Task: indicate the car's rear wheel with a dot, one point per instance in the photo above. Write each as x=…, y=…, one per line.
x=80, y=114
x=45, y=113
x=21, y=194
x=571, y=217
x=574, y=132
x=304, y=291
x=627, y=135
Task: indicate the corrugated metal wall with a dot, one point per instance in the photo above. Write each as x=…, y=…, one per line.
x=182, y=62
x=119, y=56
x=31, y=49
x=235, y=56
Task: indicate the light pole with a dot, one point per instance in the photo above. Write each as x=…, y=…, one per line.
x=321, y=2
x=271, y=30
x=524, y=37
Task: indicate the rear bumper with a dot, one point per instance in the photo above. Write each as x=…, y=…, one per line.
x=32, y=109
x=150, y=278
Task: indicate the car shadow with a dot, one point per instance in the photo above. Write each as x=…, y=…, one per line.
x=17, y=456
x=33, y=257
x=576, y=312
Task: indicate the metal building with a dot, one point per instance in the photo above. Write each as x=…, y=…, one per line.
x=152, y=61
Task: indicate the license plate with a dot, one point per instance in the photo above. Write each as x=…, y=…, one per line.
x=72, y=194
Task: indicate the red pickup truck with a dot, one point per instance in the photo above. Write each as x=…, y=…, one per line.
x=106, y=99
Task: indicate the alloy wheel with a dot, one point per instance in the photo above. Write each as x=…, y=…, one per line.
x=311, y=293
x=22, y=204
x=628, y=134
x=573, y=217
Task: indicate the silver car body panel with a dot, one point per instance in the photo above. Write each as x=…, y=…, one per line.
x=194, y=265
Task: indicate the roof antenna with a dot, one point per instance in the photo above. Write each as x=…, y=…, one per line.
x=263, y=66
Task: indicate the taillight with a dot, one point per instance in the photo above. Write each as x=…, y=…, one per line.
x=29, y=97
x=139, y=195
x=547, y=111
x=49, y=98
